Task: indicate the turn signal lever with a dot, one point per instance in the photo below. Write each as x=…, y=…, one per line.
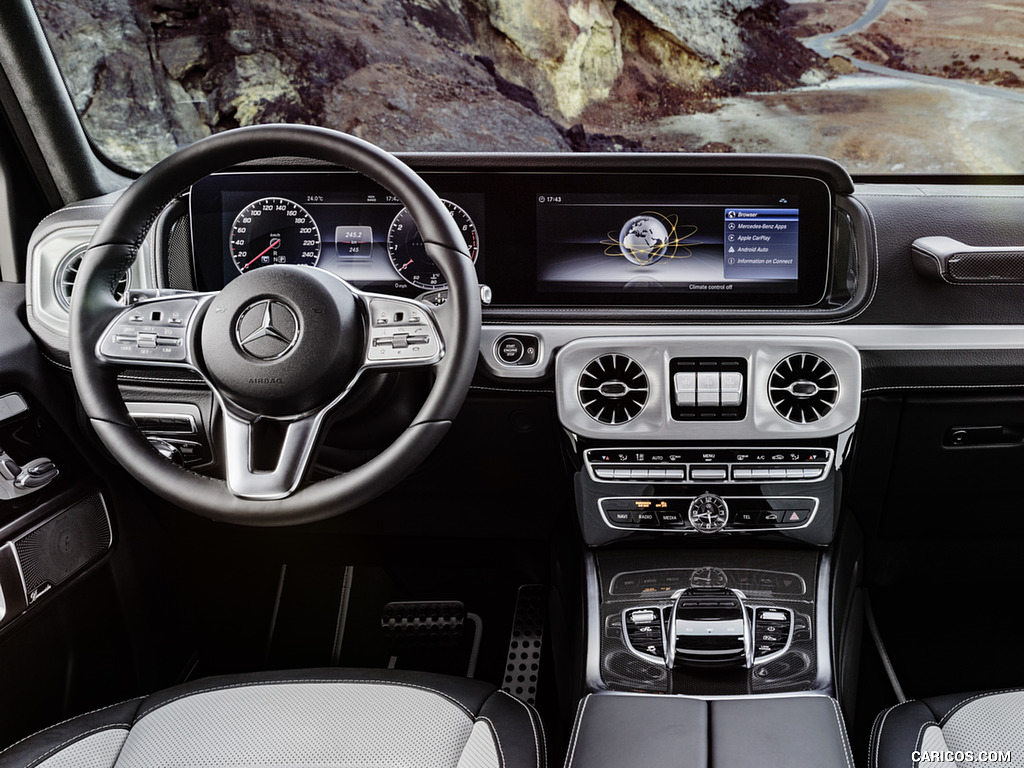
x=708, y=627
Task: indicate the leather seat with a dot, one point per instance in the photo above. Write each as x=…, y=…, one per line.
x=323, y=717
x=951, y=730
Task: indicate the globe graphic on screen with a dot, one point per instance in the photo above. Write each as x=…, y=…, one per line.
x=643, y=239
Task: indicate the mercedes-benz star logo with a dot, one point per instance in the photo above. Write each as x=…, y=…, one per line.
x=267, y=329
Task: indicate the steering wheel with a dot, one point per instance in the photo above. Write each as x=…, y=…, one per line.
x=279, y=347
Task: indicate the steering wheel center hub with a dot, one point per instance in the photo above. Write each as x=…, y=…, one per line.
x=282, y=340
x=267, y=329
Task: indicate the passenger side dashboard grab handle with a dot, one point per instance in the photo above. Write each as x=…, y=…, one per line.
x=946, y=260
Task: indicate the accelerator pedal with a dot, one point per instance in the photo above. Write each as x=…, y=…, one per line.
x=522, y=669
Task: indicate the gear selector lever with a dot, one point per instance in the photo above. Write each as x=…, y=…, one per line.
x=708, y=627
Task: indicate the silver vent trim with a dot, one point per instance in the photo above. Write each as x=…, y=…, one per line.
x=803, y=388
x=67, y=272
x=613, y=389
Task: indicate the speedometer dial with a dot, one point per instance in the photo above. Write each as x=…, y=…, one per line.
x=274, y=231
x=405, y=247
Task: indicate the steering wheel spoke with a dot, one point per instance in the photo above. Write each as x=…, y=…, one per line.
x=267, y=459
x=400, y=333
x=154, y=332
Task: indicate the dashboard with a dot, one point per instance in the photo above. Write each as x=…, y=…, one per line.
x=702, y=324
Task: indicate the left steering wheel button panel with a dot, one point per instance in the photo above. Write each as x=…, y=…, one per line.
x=154, y=332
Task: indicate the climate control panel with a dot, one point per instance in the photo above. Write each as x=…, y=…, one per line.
x=717, y=465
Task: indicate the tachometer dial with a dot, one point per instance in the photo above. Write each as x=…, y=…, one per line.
x=405, y=247
x=274, y=231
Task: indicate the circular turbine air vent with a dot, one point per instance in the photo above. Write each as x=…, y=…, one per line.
x=67, y=272
x=613, y=389
x=803, y=388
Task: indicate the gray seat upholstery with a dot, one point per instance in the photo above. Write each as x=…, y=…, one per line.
x=953, y=730
x=321, y=718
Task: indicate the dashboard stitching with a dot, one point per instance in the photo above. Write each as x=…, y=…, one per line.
x=941, y=386
x=73, y=208
x=513, y=389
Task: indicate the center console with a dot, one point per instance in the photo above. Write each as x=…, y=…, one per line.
x=707, y=484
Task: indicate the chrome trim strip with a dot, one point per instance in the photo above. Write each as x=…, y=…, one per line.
x=592, y=621
x=823, y=626
x=863, y=337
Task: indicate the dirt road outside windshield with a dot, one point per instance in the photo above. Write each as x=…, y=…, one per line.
x=920, y=86
x=882, y=86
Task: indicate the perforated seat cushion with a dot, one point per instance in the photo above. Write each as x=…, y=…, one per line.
x=948, y=731
x=319, y=718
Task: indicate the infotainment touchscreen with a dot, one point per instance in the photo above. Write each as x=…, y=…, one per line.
x=734, y=248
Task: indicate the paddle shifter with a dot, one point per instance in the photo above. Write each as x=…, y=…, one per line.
x=708, y=627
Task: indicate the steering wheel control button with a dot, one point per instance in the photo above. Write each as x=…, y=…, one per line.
x=267, y=329
x=151, y=332
x=401, y=332
x=517, y=350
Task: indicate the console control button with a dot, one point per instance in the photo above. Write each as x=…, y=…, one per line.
x=709, y=473
x=510, y=350
x=772, y=631
x=645, y=632
x=685, y=385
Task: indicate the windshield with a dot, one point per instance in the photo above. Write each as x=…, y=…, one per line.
x=882, y=86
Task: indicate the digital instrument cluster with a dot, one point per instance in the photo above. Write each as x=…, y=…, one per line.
x=361, y=233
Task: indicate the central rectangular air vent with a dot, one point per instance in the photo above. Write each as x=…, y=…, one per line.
x=708, y=389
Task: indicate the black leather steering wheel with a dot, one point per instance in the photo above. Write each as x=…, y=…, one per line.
x=281, y=345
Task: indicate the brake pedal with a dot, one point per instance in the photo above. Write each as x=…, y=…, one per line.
x=523, y=667
x=423, y=622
